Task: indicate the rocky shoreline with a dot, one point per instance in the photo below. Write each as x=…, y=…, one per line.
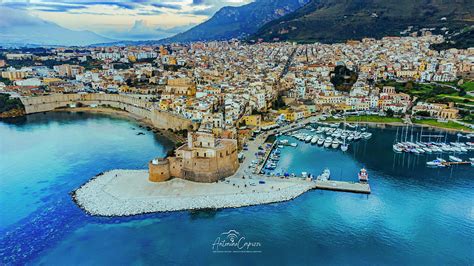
x=100, y=196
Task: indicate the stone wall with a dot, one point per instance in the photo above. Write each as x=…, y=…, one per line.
x=134, y=105
x=198, y=169
x=159, y=170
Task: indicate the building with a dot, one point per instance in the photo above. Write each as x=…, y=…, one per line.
x=204, y=158
x=180, y=87
x=69, y=70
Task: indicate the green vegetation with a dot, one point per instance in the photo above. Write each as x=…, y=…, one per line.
x=6, y=81
x=461, y=40
x=279, y=103
x=343, y=78
x=468, y=86
x=368, y=118
x=434, y=93
x=435, y=123
x=7, y=103
x=338, y=21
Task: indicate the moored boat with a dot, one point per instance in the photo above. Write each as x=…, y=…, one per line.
x=363, y=176
x=453, y=158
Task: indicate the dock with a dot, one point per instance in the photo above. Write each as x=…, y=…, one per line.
x=355, y=187
x=455, y=163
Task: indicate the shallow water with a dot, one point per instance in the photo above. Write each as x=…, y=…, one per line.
x=414, y=215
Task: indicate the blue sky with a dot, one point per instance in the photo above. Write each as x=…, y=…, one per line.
x=119, y=19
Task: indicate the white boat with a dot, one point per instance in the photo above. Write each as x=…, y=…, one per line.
x=436, y=163
x=294, y=144
x=314, y=140
x=308, y=138
x=453, y=158
x=363, y=175
x=397, y=148
x=335, y=144
x=320, y=141
x=344, y=147
x=471, y=159
x=325, y=176
x=328, y=142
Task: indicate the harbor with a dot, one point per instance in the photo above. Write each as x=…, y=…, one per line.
x=415, y=142
x=437, y=202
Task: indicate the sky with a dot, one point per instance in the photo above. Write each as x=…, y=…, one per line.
x=119, y=19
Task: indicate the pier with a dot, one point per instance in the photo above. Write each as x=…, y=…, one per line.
x=455, y=163
x=354, y=187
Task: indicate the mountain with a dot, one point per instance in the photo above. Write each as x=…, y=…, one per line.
x=235, y=22
x=341, y=20
x=17, y=27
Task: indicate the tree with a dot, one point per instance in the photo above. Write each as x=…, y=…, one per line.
x=389, y=113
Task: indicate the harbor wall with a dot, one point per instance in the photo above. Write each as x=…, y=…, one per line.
x=134, y=105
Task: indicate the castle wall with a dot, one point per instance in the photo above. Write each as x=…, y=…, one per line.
x=159, y=171
x=134, y=105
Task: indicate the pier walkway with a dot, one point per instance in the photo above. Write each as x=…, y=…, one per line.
x=354, y=187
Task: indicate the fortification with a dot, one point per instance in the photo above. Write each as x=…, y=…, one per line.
x=139, y=107
x=204, y=158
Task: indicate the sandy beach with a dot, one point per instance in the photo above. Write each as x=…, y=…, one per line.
x=128, y=192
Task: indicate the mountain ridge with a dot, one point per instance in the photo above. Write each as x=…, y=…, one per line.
x=341, y=20
x=238, y=22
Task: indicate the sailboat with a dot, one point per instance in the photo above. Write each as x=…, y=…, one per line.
x=344, y=146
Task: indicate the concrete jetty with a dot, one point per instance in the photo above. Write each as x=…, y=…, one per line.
x=355, y=187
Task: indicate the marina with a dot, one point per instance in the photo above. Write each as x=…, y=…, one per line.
x=417, y=143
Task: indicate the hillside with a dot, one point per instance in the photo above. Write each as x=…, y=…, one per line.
x=340, y=20
x=235, y=22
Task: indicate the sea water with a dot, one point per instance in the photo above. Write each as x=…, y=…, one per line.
x=415, y=214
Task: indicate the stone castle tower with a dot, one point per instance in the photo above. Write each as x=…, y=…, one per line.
x=204, y=158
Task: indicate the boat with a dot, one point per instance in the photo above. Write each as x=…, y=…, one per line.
x=453, y=158
x=436, y=163
x=314, y=140
x=397, y=148
x=335, y=144
x=308, y=138
x=471, y=159
x=363, y=176
x=344, y=146
x=328, y=142
x=320, y=141
x=325, y=176
x=294, y=144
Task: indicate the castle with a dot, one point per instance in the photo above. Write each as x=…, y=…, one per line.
x=204, y=158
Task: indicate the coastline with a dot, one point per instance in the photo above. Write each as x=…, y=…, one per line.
x=126, y=115
x=112, y=194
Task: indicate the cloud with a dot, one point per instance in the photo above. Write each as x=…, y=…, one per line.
x=142, y=31
x=115, y=18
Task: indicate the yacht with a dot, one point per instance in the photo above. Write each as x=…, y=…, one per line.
x=335, y=144
x=320, y=141
x=308, y=139
x=363, y=176
x=325, y=176
x=314, y=140
x=344, y=147
x=453, y=158
x=328, y=142
x=397, y=148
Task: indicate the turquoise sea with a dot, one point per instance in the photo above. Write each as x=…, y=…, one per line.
x=415, y=215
